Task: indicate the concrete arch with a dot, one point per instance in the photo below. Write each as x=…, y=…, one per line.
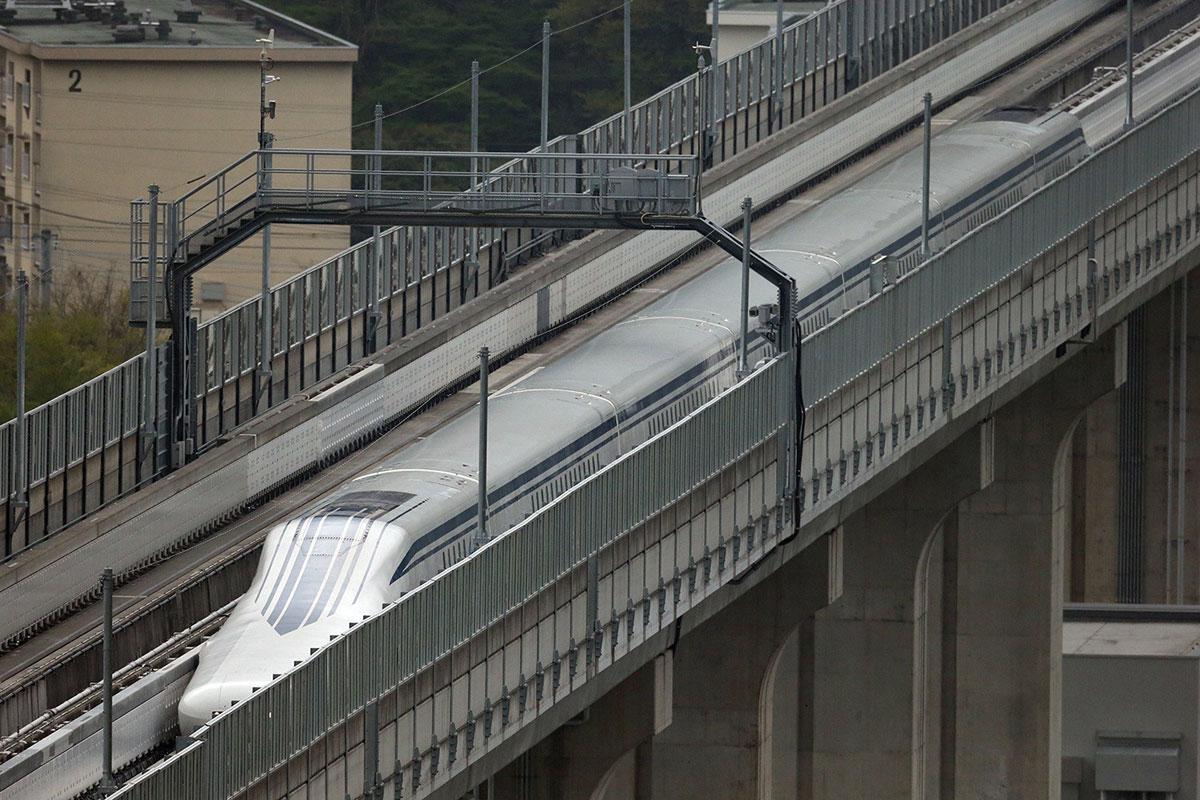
x=779, y=723
x=619, y=781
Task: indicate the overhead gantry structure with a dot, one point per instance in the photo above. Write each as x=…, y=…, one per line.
x=174, y=240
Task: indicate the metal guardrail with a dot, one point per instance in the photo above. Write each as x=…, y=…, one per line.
x=426, y=271
x=385, y=650
x=884, y=377
x=837, y=354
x=320, y=184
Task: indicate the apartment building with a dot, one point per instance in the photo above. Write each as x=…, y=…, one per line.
x=103, y=98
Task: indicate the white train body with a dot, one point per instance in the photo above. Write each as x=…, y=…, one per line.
x=388, y=530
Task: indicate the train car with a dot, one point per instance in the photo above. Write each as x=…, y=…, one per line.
x=387, y=530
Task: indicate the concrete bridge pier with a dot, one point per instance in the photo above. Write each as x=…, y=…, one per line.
x=1134, y=519
x=938, y=671
x=716, y=714
x=927, y=665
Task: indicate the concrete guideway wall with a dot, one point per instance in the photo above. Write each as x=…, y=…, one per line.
x=302, y=435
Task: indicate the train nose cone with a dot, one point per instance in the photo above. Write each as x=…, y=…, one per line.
x=201, y=701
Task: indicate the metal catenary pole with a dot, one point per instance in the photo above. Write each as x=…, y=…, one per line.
x=150, y=365
x=474, y=232
x=22, y=322
x=106, y=585
x=744, y=308
x=1128, y=63
x=703, y=122
x=716, y=30
x=777, y=76
x=262, y=397
x=925, y=150
x=262, y=386
x=628, y=117
x=545, y=84
x=481, y=535
x=375, y=267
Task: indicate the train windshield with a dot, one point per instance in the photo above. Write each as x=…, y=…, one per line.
x=319, y=564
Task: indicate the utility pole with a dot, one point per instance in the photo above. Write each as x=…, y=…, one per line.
x=107, y=786
x=545, y=84
x=474, y=254
x=150, y=365
x=375, y=268
x=262, y=386
x=628, y=118
x=744, y=308
x=47, y=269
x=481, y=533
x=777, y=87
x=1128, y=63
x=925, y=153
x=716, y=30
x=22, y=322
x=702, y=120
x=718, y=89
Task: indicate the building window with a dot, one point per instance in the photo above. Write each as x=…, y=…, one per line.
x=26, y=243
x=8, y=153
x=27, y=92
x=26, y=160
x=10, y=80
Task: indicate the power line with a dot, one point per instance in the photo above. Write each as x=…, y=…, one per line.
x=458, y=85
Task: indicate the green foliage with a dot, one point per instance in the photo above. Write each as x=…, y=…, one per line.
x=83, y=333
x=411, y=50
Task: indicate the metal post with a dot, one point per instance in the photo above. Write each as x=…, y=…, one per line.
x=716, y=31
x=263, y=386
x=474, y=121
x=744, y=308
x=22, y=321
x=1181, y=450
x=45, y=274
x=375, y=267
x=703, y=122
x=474, y=254
x=1128, y=63
x=925, y=174
x=628, y=118
x=150, y=366
x=777, y=82
x=106, y=586
x=545, y=84
x=481, y=535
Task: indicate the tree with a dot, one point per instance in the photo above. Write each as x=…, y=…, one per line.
x=412, y=51
x=81, y=335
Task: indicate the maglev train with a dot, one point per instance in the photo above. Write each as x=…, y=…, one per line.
x=386, y=531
